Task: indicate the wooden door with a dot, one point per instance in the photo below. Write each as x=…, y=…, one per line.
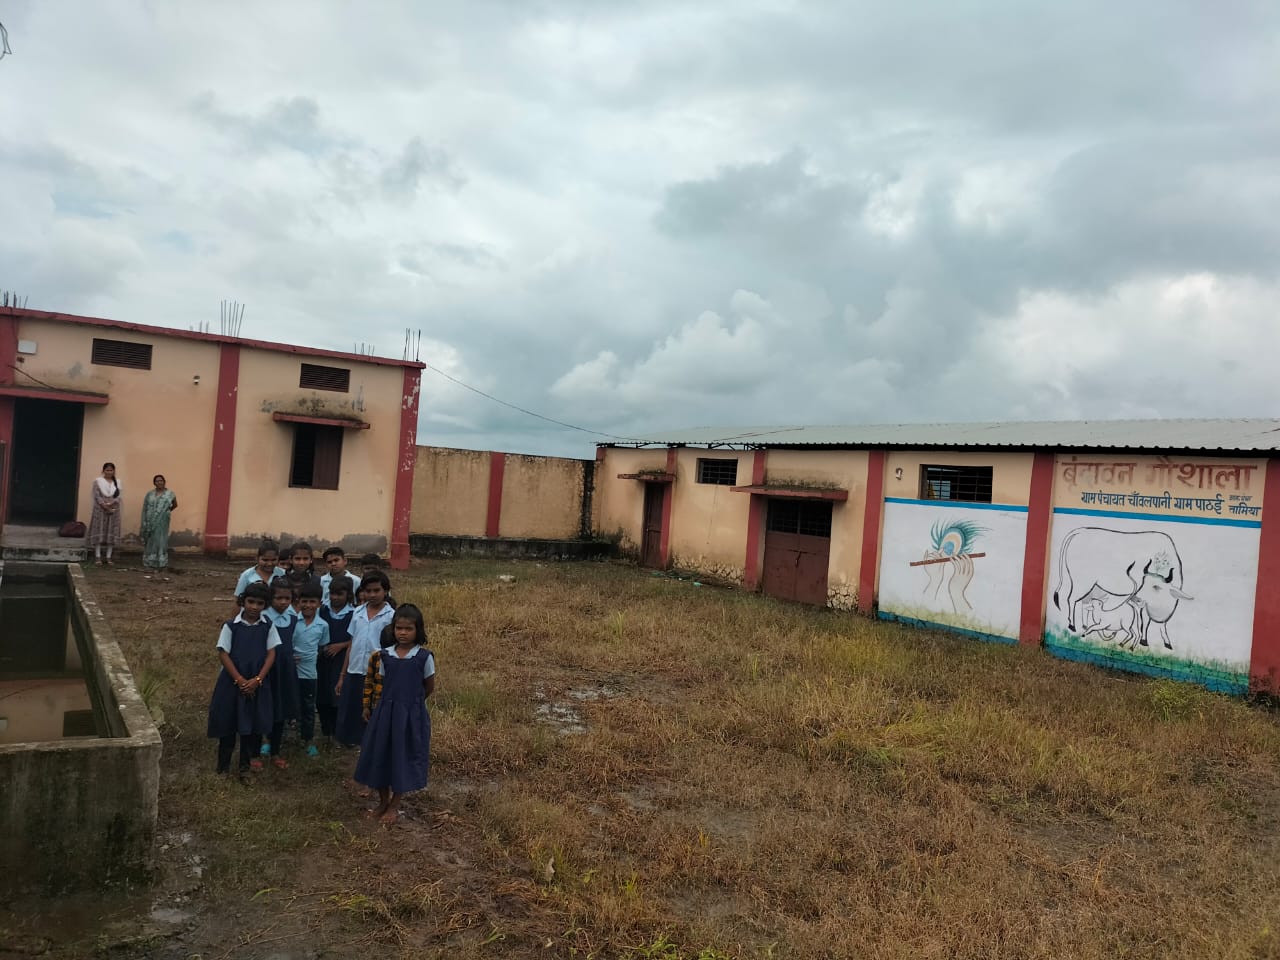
x=651, y=545
x=797, y=550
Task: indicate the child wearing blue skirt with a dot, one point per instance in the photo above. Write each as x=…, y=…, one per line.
x=241, y=704
x=336, y=612
x=284, y=678
x=367, y=623
x=395, y=754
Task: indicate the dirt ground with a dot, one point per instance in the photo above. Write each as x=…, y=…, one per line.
x=632, y=765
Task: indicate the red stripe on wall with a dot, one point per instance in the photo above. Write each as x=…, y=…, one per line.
x=1264, y=663
x=668, y=494
x=497, y=467
x=872, y=509
x=8, y=361
x=756, y=507
x=1035, y=560
x=218, y=510
x=407, y=458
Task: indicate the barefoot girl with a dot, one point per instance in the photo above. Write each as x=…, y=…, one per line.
x=395, y=753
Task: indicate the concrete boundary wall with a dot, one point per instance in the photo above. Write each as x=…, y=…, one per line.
x=484, y=493
x=79, y=813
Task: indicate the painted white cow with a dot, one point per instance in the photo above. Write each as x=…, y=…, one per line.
x=1117, y=567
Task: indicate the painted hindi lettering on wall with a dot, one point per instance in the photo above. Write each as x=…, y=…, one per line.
x=1153, y=565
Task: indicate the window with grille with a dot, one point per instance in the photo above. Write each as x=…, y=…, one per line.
x=724, y=472
x=317, y=456
x=809, y=517
x=121, y=353
x=955, y=483
x=316, y=377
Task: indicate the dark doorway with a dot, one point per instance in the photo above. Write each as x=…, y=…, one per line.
x=651, y=546
x=797, y=550
x=46, y=461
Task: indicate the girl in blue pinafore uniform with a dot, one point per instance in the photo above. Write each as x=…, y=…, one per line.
x=241, y=704
x=395, y=755
x=284, y=678
x=337, y=612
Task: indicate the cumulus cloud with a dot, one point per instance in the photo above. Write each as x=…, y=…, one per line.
x=638, y=217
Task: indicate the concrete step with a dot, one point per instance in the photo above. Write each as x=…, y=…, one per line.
x=40, y=544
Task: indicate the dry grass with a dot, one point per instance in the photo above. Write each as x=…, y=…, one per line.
x=626, y=765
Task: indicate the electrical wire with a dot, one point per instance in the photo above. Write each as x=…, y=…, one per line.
x=559, y=423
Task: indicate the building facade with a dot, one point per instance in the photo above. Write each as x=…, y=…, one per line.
x=256, y=439
x=1138, y=545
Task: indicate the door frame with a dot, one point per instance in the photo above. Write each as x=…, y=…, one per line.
x=10, y=464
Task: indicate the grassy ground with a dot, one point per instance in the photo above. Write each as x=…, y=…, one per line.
x=627, y=765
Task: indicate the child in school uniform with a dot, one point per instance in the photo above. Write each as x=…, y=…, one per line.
x=241, y=705
x=366, y=633
x=336, y=560
x=301, y=569
x=310, y=636
x=336, y=612
x=266, y=569
x=284, y=678
x=395, y=753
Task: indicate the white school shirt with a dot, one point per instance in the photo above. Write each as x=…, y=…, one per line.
x=224, y=638
x=366, y=636
x=328, y=579
x=252, y=576
x=428, y=667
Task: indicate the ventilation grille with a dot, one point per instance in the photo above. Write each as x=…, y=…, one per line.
x=121, y=353
x=316, y=377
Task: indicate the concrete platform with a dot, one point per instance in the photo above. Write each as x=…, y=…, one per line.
x=41, y=544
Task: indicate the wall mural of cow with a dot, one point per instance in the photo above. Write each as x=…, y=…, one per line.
x=1115, y=583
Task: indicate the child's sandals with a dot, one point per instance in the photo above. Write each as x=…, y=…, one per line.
x=280, y=762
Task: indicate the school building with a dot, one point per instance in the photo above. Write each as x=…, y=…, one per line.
x=256, y=438
x=1138, y=545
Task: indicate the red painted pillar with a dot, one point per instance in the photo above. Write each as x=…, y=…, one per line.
x=1035, y=560
x=872, y=509
x=668, y=494
x=406, y=461
x=218, y=510
x=755, y=525
x=1264, y=663
x=497, y=467
x=8, y=361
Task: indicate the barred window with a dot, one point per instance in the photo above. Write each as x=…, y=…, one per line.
x=972, y=484
x=723, y=472
x=809, y=517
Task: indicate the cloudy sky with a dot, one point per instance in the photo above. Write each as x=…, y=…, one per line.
x=634, y=217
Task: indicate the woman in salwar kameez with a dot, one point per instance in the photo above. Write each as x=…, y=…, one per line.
x=157, y=505
x=104, y=523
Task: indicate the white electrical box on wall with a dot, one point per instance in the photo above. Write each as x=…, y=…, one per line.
x=27, y=346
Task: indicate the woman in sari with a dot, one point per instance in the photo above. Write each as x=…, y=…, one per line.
x=104, y=524
x=156, y=507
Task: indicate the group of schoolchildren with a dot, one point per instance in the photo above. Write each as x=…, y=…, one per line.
x=301, y=645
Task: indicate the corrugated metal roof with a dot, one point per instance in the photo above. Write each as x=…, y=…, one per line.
x=1243, y=435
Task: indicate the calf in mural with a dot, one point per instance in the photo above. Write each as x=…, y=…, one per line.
x=1115, y=568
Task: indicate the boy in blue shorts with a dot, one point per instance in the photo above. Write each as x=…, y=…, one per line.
x=310, y=636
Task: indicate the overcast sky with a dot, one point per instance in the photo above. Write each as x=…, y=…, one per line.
x=635, y=217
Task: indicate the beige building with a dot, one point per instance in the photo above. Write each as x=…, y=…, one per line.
x=1137, y=545
x=256, y=439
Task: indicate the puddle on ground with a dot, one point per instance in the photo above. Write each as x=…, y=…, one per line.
x=564, y=716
